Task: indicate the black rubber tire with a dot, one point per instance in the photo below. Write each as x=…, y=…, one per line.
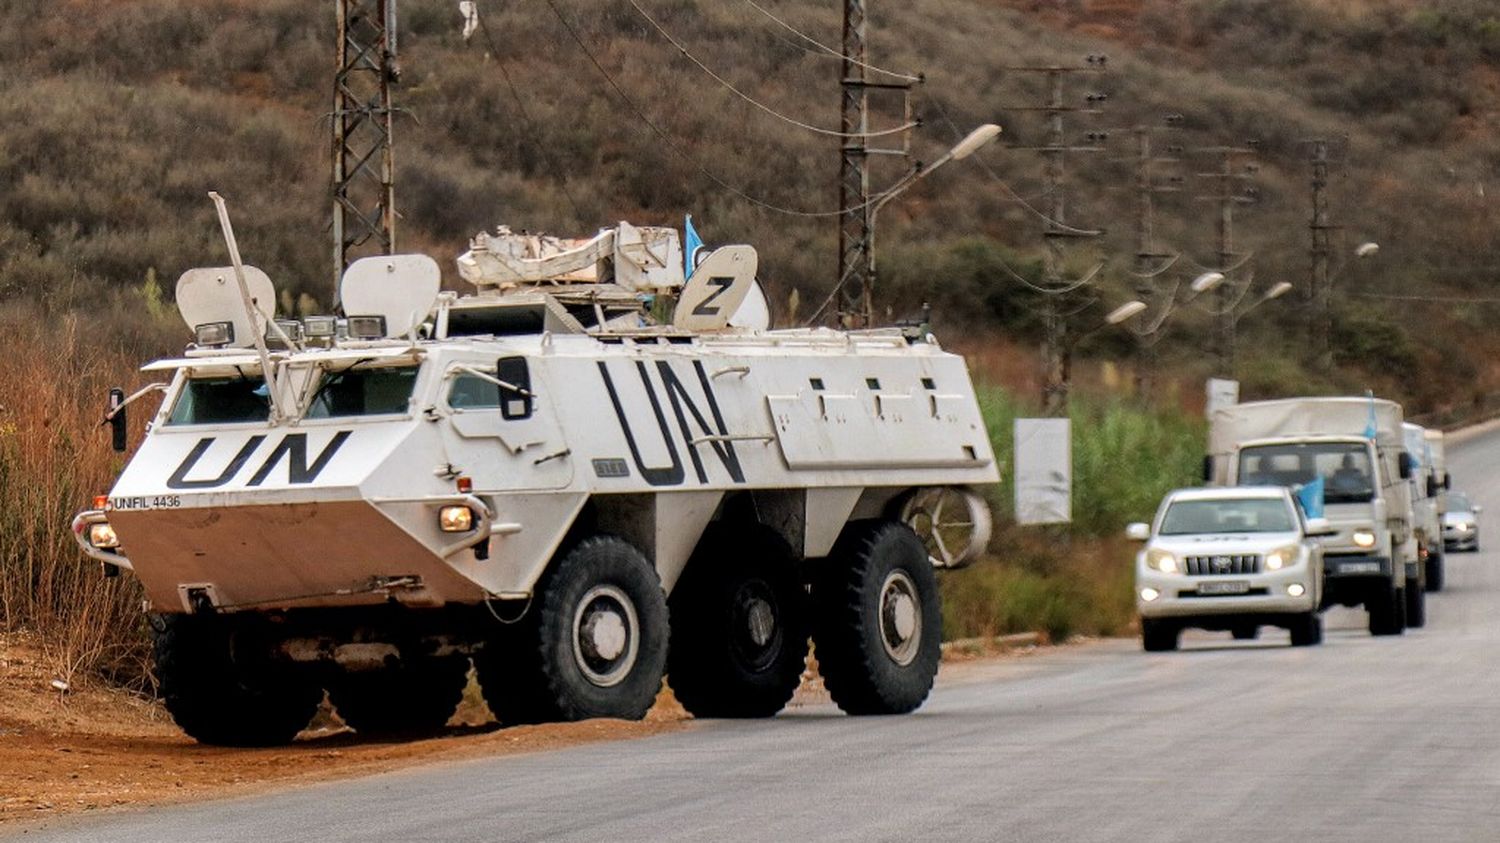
x=219, y=700
x=1159, y=636
x=717, y=665
x=535, y=671
x=1307, y=631
x=1387, y=610
x=414, y=698
x=852, y=620
x=1416, y=605
x=1435, y=571
x=1245, y=633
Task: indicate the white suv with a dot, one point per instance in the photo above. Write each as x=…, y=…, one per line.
x=1231, y=559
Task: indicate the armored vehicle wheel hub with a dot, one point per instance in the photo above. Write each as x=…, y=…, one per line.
x=762, y=621
x=900, y=618
x=605, y=635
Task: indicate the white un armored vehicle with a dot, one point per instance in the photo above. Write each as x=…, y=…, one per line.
x=541, y=478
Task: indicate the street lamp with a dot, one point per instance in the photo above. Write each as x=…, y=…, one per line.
x=1123, y=312
x=971, y=143
x=1322, y=301
x=1207, y=281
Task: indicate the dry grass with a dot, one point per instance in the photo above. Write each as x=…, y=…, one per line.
x=53, y=458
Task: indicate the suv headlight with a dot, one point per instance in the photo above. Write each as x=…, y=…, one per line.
x=1283, y=557
x=1364, y=538
x=1161, y=560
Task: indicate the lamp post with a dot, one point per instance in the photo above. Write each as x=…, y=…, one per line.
x=1322, y=300
x=971, y=143
x=1120, y=315
x=1149, y=334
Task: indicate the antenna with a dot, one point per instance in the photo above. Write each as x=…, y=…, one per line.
x=364, y=215
x=258, y=336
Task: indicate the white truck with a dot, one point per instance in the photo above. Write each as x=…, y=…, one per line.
x=1231, y=559
x=543, y=480
x=1357, y=447
x=1426, y=503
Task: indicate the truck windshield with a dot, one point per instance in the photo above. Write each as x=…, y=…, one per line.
x=222, y=400
x=363, y=392
x=1232, y=515
x=1348, y=476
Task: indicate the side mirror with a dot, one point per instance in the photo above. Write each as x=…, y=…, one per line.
x=1404, y=464
x=516, y=399
x=1318, y=527
x=1447, y=481
x=1208, y=468
x=1138, y=532
x=1476, y=509
x=117, y=419
x=1432, y=486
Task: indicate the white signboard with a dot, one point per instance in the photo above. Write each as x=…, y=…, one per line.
x=1221, y=393
x=1044, y=471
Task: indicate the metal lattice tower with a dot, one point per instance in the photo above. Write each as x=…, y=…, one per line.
x=364, y=216
x=854, y=305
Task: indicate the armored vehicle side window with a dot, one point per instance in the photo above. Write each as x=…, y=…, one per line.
x=363, y=392
x=226, y=400
x=469, y=392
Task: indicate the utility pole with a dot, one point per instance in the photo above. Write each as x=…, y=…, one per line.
x=1320, y=292
x=855, y=289
x=1149, y=262
x=854, y=308
x=1057, y=349
x=1232, y=188
x=364, y=215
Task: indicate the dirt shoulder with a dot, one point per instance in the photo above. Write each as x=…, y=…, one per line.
x=98, y=748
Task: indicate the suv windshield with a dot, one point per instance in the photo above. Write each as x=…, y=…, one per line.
x=363, y=392
x=1458, y=503
x=1233, y=515
x=223, y=400
x=1348, y=476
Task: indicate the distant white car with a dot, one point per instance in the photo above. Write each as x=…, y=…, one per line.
x=1461, y=522
x=1233, y=559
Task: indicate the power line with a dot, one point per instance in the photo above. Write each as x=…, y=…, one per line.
x=1439, y=299
x=828, y=51
x=757, y=103
x=674, y=148
x=531, y=126
x=1004, y=185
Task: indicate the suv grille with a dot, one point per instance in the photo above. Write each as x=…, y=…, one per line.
x=1222, y=565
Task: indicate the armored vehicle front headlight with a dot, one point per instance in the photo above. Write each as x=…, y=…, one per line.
x=1282, y=557
x=102, y=536
x=214, y=334
x=1364, y=538
x=456, y=519
x=1161, y=560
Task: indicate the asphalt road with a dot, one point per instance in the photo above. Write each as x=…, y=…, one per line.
x=1360, y=739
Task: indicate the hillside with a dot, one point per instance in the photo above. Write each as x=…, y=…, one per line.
x=118, y=117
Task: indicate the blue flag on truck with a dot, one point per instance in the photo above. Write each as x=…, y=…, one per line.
x=692, y=244
x=1370, y=426
x=1310, y=494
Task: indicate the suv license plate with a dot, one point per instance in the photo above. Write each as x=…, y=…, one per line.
x=1231, y=587
x=1359, y=568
